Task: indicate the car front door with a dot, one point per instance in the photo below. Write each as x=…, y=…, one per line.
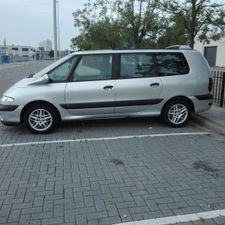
x=138, y=87
x=91, y=90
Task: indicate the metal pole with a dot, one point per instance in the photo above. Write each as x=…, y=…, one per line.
x=55, y=29
x=222, y=90
x=58, y=27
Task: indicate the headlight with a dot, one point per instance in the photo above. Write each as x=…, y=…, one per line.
x=6, y=99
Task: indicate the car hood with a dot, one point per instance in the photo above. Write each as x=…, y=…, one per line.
x=20, y=84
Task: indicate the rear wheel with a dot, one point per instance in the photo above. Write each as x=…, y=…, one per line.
x=40, y=118
x=176, y=113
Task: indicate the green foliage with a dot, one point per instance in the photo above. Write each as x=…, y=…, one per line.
x=174, y=33
x=118, y=24
x=100, y=35
x=200, y=18
x=147, y=23
x=143, y=22
x=98, y=28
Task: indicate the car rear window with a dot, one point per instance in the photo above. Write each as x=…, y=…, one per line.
x=140, y=65
x=169, y=64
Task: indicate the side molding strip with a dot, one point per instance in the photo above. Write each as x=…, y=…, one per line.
x=110, y=104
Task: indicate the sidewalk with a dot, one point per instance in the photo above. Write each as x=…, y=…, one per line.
x=213, y=119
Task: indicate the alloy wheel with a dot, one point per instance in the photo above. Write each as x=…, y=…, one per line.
x=178, y=114
x=40, y=120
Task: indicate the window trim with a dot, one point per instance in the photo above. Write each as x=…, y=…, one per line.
x=116, y=66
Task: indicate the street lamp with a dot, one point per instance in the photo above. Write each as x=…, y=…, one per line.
x=55, y=29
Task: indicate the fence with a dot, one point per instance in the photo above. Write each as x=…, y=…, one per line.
x=218, y=74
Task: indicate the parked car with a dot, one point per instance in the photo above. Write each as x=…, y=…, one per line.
x=171, y=83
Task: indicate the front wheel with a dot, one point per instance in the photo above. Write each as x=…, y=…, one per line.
x=176, y=113
x=40, y=118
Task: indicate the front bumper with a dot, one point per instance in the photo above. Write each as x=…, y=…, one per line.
x=10, y=114
x=8, y=108
x=10, y=123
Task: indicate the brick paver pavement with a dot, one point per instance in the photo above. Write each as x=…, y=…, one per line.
x=107, y=182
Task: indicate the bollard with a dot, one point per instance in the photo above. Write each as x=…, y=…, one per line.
x=222, y=90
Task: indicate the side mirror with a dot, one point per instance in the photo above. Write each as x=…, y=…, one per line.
x=41, y=80
x=44, y=79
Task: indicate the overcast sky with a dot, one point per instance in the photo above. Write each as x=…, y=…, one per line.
x=28, y=22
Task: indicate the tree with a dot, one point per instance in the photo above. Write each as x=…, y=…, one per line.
x=201, y=18
x=117, y=24
x=142, y=21
x=98, y=26
x=174, y=33
x=100, y=35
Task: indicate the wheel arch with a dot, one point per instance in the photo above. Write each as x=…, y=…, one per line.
x=35, y=103
x=181, y=98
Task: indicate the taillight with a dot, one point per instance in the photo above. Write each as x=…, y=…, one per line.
x=210, y=86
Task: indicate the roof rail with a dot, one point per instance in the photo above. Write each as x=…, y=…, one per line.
x=181, y=47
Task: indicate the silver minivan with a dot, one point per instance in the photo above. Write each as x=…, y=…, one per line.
x=171, y=83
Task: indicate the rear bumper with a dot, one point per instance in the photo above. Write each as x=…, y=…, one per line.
x=202, y=102
x=204, y=97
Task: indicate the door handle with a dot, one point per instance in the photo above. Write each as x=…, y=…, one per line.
x=109, y=87
x=154, y=84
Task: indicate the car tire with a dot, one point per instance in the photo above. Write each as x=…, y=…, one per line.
x=176, y=113
x=40, y=118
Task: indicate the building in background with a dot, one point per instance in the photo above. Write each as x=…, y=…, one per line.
x=46, y=45
x=18, y=52
x=214, y=52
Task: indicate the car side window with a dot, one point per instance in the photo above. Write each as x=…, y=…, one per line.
x=93, y=67
x=61, y=72
x=137, y=65
x=170, y=64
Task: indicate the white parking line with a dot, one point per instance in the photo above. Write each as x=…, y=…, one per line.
x=180, y=218
x=103, y=139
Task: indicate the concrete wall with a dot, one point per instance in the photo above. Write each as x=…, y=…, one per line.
x=220, y=56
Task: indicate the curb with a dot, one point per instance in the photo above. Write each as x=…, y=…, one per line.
x=202, y=121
